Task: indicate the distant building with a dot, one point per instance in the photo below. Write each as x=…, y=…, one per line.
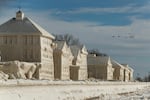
x=62, y=60
x=22, y=39
x=78, y=70
x=100, y=67
x=122, y=72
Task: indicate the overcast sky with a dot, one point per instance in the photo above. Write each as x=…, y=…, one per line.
x=94, y=22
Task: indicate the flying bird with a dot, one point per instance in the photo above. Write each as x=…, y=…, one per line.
x=128, y=35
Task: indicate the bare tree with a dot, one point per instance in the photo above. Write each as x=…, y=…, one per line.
x=147, y=78
x=138, y=78
x=69, y=38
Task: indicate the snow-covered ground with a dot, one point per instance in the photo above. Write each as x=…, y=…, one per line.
x=143, y=94
x=70, y=90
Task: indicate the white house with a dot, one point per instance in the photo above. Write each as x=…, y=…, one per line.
x=118, y=71
x=62, y=60
x=78, y=70
x=22, y=39
x=100, y=67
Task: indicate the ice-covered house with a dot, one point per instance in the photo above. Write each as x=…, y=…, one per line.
x=78, y=70
x=24, y=40
x=62, y=60
x=118, y=71
x=100, y=67
x=128, y=73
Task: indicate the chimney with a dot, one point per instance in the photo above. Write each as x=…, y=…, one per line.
x=19, y=15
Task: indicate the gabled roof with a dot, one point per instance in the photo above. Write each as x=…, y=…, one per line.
x=98, y=60
x=75, y=49
x=24, y=26
x=63, y=47
x=127, y=66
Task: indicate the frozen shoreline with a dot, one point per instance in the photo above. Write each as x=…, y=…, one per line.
x=66, y=90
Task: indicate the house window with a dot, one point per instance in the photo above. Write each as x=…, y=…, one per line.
x=5, y=40
x=0, y=56
x=35, y=40
x=25, y=40
x=31, y=54
x=30, y=39
x=25, y=54
x=1, y=40
x=10, y=40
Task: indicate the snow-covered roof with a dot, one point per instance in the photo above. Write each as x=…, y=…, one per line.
x=24, y=26
x=75, y=49
x=116, y=64
x=62, y=46
x=98, y=60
